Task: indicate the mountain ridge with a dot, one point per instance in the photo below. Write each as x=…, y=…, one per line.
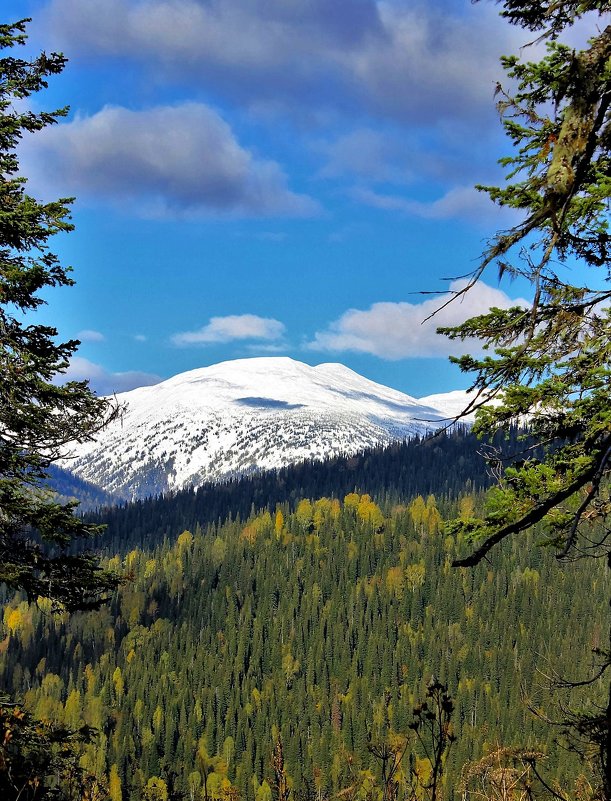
x=242, y=416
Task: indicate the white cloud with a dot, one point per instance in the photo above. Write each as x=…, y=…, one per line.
x=102, y=380
x=180, y=161
x=89, y=335
x=381, y=201
x=464, y=202
x=425, y=71
x=140, y=338
x=399, y=331
x=230, y=328
x=412, y=62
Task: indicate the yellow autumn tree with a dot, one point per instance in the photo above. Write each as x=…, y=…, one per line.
x=156, y=790
x=72, y=710
x=414, y=575
x=278, y=522
x=322, y=511
x=370, y=512
x=417, y=511
x=433, y=517
x=18, y=620
x=117, y=680
x=395, y=581
x=114, y=785
x=466, y=507
x=184, y=541
x=352, y=500
x=257, y=526
x=304, y=513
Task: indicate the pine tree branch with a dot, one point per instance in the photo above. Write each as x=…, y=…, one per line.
x=535, y=515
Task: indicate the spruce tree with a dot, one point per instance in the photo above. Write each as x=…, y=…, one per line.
x=38, y=414
x=550, y=364
x=38, y=417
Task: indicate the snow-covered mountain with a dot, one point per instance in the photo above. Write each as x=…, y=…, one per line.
x=240, y=416
x=450, y=404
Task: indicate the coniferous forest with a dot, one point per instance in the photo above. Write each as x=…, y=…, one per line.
x=317, y=624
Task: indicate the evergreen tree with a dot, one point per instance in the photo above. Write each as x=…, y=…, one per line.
x=551, y=363
x=38, y=417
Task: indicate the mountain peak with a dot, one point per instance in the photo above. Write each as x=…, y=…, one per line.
x=239, y=416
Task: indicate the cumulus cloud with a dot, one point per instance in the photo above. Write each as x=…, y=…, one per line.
x=89, y=335
x=409, y=61
x=181, y=160
x=399, y=331
x=425, y=71
x=230, y=328
x=104, y=382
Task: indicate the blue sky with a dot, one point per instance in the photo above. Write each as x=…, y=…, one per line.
x=269, y=177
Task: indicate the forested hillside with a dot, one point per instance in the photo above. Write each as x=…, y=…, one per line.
x=321, y=627
x=70, y=487
x=445, y=464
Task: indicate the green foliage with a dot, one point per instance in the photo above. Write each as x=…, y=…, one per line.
x=37, y=415
x=550, y=363
x=323, y=638
x=40, y=761
x=549, y=15
x=446, y=465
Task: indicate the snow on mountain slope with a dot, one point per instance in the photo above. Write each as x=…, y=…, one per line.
x=240, y=416
x=450, y=404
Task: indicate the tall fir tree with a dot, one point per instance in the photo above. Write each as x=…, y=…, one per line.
x=38, y=417
x=550, y=363
x=38, y=414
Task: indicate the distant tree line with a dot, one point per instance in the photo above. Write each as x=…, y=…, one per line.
x=445, y=464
